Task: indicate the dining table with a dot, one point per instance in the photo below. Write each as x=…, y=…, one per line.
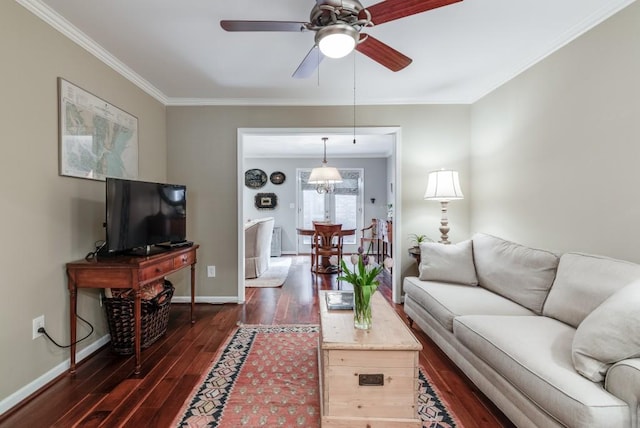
x=325, y=266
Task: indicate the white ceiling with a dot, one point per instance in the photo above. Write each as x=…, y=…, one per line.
x=177, y=52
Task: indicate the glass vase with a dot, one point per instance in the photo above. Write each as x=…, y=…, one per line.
x=362, y=306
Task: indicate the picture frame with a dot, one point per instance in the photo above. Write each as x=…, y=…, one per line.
x=266, y=201
x=255, y=178
x=96, y=138
x=277, y=177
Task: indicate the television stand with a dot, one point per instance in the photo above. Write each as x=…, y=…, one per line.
x=126, y=272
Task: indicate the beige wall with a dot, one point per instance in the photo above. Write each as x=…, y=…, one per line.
x=48, y=220
x=202, y=152
x=555, y=151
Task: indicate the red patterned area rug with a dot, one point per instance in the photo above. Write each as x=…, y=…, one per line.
x=267, y=376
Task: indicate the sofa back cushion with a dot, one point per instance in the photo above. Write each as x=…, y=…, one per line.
x=447, y=263
x=583, y=282
x=521, y=274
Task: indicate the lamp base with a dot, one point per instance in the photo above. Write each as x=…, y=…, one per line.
x=444, y=224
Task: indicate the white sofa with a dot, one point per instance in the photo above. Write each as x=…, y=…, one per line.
x=257, y=246
x=551, y=339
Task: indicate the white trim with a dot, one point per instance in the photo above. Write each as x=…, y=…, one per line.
x=396, y=131
x=40, y=382
x=396, y=275
x=48, y=15
x=240, y=201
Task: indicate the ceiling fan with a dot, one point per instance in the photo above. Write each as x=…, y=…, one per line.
x=338, y=25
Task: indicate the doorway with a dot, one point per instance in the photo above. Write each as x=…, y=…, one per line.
x=271, y=139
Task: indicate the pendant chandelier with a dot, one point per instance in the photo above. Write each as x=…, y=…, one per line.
x=325, y=177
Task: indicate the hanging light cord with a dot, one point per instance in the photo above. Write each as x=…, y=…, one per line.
x=354, y=97
x=324, y=158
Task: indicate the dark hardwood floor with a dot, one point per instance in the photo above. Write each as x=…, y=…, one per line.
x=106, y=393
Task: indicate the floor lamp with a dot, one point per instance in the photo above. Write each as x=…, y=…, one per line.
x=443, y=186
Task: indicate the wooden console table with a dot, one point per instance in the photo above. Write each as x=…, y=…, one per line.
x=126, y=272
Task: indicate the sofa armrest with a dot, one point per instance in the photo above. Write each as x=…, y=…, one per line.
x=623, y=381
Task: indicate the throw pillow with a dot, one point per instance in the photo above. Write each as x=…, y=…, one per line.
x=448, y=263
x=609, y=334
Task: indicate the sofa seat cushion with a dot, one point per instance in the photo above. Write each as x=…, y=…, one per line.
x=583, y=282
x=533, y=353
x=519, y=273
x=445, y=301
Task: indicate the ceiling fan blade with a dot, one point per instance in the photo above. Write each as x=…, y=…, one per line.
x=382, y=53
x=389, y=10
x=309, y=64
x=263, y=26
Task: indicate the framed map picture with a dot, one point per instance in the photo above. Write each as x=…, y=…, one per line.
x=97, y=139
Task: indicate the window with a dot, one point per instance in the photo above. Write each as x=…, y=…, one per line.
x=343, y=206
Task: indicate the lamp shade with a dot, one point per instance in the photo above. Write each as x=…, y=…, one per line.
x=325, y=175
x=337, y=40
x=443, y=185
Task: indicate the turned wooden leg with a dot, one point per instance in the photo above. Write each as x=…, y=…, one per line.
x=410, y=322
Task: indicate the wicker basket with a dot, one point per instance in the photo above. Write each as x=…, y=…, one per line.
x=154, y=320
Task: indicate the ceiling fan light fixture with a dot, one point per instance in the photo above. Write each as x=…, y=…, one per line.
x=337, y=40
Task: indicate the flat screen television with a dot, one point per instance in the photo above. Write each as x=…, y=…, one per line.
x=142, y=214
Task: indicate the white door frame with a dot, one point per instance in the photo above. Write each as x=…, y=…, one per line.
x=394, y=131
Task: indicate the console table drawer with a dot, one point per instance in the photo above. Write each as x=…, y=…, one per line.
x=184, y=259
x=156, y=271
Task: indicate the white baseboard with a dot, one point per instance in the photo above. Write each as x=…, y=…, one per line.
x=40, y=382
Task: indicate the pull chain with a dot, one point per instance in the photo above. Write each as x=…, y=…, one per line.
x=354, y=97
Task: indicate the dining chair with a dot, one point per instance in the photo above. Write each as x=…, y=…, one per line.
x=327, y=242
x=370, y=240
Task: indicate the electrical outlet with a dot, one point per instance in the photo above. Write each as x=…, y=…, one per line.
x=211, y=271
x=36, y=324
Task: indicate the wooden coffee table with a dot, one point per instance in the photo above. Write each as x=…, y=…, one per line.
x=367, y=377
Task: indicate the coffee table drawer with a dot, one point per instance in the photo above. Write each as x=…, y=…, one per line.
x=361, y=358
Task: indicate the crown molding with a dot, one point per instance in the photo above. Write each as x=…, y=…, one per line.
x=56, y=21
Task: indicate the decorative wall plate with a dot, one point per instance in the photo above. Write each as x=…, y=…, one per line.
x=266, y=201
x=277, y=177
x=255, y=178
